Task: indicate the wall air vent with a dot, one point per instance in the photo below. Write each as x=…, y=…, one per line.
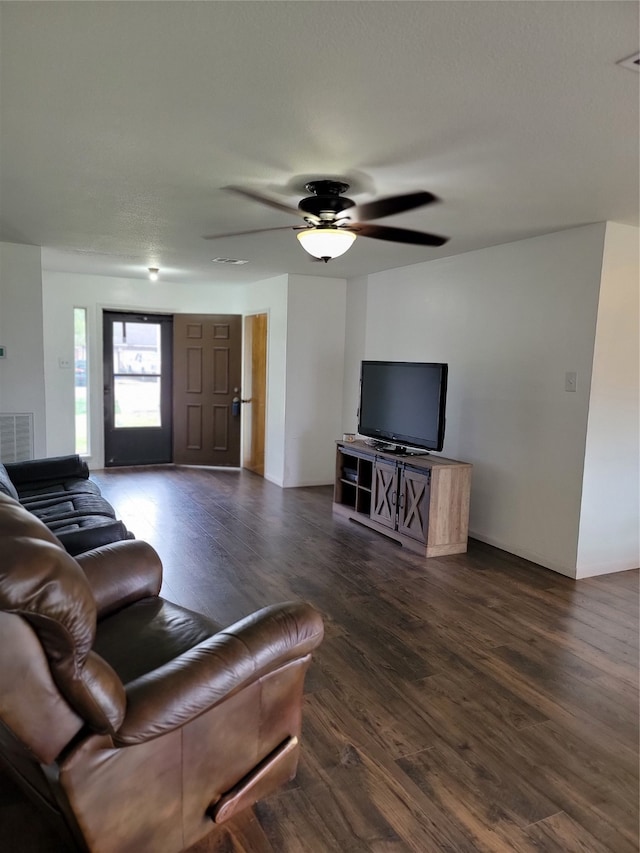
x=632, y=62
x=16, y=437
x=230, y=261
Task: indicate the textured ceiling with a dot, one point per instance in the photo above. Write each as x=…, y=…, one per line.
x=122, y=121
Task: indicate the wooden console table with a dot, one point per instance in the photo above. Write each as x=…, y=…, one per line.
x=420, y=501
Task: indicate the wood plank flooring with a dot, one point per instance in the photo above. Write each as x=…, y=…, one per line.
x=468, y=703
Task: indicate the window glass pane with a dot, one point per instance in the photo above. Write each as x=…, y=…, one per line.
x=137, y=401
x=80, y=372
x=136, y=348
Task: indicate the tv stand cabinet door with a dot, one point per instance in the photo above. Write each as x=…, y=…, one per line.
x=384, y=493
x=413, y=504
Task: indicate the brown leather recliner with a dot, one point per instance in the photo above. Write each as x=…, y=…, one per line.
x=134, y=723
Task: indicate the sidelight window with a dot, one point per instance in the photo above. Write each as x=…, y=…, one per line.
x=81, y=380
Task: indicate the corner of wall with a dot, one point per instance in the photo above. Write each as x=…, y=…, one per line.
x=608, y=537
x=314, y=385
x=22, y=371
x=354, y=348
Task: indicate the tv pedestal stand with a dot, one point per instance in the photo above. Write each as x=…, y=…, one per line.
x=420, y=501
x=399, y=450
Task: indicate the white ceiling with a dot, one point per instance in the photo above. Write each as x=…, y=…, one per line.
x=122, y=121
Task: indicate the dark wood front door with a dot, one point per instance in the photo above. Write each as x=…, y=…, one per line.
x=207, y=365
x=137, y=388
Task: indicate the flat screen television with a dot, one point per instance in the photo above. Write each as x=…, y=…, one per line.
x=403, y=402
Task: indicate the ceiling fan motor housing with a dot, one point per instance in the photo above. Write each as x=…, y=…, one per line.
x=326, y=199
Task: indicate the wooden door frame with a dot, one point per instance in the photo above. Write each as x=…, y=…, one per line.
x=247, y=345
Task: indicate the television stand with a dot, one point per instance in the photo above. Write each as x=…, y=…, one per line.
x=422, y=502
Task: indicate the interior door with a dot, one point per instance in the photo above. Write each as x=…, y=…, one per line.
x=137, y=353
x=255, y=392
x=207, y=365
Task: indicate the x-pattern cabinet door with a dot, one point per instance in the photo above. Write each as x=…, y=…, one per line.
x=384, y=494
x=413, y=504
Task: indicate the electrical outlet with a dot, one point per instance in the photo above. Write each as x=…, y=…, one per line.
x=570, y=380
x=64, y=363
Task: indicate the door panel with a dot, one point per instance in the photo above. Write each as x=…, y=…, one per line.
x=206, y=389
x=255, y=386
x=413, y=504
x=221, y=421
x=194, y=370
x=194, y=426
x=384, y=493
x=137, y=356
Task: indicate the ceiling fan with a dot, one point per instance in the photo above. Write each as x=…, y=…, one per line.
x=334, y=221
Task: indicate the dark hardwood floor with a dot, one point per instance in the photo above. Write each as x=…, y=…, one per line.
x=467, y=703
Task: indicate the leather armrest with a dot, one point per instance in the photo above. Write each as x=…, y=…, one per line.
x=179, y=691
x=85, y=539
x=121, y=573
x=56, y=468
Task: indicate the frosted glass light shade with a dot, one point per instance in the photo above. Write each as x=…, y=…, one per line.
x=326, y=242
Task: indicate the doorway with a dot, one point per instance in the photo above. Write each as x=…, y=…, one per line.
x=137, y=355
x=255, y=392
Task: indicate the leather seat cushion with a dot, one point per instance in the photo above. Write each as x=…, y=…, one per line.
x=78, y=521
x=145, y=635
x=61, y=507
x=44, y=490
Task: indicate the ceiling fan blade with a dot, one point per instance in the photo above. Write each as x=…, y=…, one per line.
x=393, y=204
x=251, y=231
x=398, y=235
x=265, y=199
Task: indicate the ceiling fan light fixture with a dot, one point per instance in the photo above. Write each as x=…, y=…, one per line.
x=326, y=243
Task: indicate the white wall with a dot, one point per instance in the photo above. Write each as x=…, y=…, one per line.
x=299, y=433
x=510, y=320
x=62, y=292
x=22, y=379
x=315, y=369
x=610, y=511
x=270, y=297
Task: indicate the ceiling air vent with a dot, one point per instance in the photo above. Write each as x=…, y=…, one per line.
x=632, y=62
x=230, y=261
x=98, y=253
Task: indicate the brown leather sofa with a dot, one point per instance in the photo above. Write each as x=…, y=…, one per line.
x=134, y=723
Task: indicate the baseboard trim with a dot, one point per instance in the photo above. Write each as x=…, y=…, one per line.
x=597, y=570
x=271, y=479
x=309, y=483
x=526, y=554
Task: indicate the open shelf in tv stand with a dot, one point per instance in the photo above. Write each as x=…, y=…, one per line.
x=420, y=501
